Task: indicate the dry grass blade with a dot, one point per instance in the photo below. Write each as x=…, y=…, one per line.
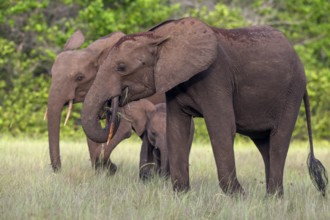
x=45, y=115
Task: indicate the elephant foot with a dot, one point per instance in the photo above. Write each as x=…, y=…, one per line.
x=145, y=174
x=278, y=193
x=146, y=171
x=180, y=187
x=56, y=169
x=164, y=174
x=110, y=167
x=232, y=189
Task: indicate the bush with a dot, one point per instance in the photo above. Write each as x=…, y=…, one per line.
x=32, y=32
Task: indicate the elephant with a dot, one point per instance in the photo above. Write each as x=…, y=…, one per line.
x=73, y=72
x=156, y=134
x=157, y=138
x=157, y=151
x=246, y=80
x=147, y=120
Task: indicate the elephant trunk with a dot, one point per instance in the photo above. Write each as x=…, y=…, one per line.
x=98, y=95
x=90, y=119
x=55, y=105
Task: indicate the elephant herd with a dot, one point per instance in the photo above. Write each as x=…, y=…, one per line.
x=246, y=80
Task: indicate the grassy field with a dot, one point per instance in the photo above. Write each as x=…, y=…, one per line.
x=30, y=190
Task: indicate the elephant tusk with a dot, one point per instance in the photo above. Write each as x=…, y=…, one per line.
x=45, y=115
x=126, y=94
x=147, y=164
x=69, y=112
x=110, y=133
x=114, y=106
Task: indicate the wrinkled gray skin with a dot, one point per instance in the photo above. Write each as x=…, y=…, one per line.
x=73, y=72
x=247, y=80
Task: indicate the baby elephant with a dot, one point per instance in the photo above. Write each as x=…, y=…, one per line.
x=149, y=122
x=156, y=153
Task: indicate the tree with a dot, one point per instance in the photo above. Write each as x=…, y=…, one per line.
x=32, y=32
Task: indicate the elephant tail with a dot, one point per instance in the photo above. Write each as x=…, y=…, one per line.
x=316, y=170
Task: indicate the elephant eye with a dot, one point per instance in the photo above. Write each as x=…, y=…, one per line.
x=121, y=67
x=79, y=78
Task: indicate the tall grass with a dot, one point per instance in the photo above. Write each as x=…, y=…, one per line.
x=30, y=190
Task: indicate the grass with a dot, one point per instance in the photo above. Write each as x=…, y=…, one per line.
x=30, y=190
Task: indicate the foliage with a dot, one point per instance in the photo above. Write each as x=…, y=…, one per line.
x=32, y=32
x=307, y=24
x=18, y=112
x=127, y=16
x=221, y=16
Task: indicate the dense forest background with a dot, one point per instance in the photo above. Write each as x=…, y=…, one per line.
x=33, y=32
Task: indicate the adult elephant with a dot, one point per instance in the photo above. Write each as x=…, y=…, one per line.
x=247, y=80
x=73, y=72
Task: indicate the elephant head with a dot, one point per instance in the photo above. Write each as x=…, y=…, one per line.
x=140, y=65
x=73, y=73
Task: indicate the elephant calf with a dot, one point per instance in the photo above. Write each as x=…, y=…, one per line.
x=149, y=123
x=156, y=136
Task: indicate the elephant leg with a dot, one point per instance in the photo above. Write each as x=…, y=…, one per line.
x=263, y=147
x=178, y=134
x=146, y=158
x=191, y=134
x=91, y=148
x=164, y=163
x=157, y=158
x=103, y=151
x=221, y=127
x=277, y=154
x=279, y=143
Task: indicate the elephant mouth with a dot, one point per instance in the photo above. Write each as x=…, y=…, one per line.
x=123, y=98
x=106, y=111
x=74, y=101
x=110, y=113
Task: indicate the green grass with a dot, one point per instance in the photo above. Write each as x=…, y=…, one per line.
x=30, y=190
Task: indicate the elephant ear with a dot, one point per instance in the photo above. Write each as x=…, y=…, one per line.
x=75, y=41
x=186, y=47
x=102, y=46
x=139, y=111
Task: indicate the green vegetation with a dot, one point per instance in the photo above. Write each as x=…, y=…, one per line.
x=30, y=190
x=32, y=32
